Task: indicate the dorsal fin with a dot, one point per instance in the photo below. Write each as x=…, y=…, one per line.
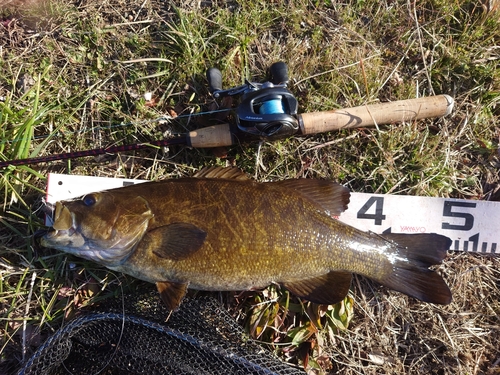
x=228, y=173
x=332, y=197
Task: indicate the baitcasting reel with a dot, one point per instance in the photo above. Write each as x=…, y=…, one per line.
x=267, y=109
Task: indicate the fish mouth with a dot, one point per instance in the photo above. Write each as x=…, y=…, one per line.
x=65, y=240
x=64, y=234
x=68, y=235
x=63, y=218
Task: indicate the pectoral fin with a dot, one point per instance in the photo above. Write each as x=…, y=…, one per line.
x=171, y=293
x=326, y=289
x=175, y=241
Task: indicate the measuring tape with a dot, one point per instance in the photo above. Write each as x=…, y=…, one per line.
x=472, y=225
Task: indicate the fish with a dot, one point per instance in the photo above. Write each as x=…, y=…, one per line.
x=219, y=230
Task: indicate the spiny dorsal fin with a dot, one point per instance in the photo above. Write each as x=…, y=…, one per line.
x=325, y=289
x=171, y=293
x=331, y=196
x=228, y=173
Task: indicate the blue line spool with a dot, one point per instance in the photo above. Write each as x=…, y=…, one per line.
x=270, y=107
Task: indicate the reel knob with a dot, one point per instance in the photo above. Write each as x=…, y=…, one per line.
x=279, y=73
x=214, y=77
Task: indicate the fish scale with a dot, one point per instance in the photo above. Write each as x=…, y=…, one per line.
x=221, y=231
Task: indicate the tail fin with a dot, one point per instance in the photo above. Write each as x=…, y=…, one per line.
x=411, y=274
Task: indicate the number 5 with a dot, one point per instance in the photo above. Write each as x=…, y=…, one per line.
x=469, y=218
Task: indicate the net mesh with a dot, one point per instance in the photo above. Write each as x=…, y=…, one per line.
x=199, y=338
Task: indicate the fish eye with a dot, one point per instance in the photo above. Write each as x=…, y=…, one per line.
x=89, y=200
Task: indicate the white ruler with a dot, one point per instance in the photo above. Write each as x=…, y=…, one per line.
x=472, y=225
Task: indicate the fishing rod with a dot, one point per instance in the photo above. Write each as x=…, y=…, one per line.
x=270, y=111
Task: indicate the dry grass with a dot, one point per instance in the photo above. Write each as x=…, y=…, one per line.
x=72, y=78
x=394, y=335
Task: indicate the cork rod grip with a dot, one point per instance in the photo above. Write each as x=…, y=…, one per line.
x=211, y=136
x=376, y=114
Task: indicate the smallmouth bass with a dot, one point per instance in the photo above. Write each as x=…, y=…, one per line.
x=221, y=231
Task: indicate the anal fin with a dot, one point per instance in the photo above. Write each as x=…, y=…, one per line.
x=326, y=289
x=171, y=293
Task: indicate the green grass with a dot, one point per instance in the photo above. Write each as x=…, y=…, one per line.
x=73, y=77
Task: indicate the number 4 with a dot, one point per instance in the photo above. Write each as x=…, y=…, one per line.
x=378, y=216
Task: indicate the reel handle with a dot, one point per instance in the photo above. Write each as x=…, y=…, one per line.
x=376, y=114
